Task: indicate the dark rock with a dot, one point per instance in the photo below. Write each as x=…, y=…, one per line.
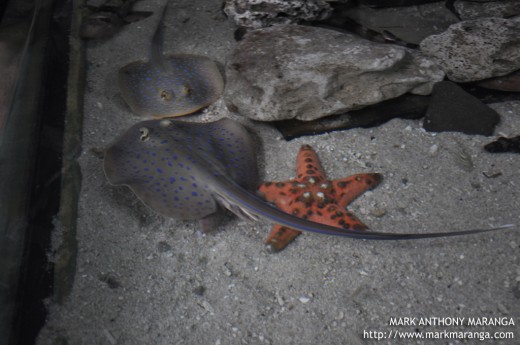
x=347, y=25
x=502, y=145
x=452, y=109
x=489, y=96
x=111, y=281
x=407, y=107
x=163, y=247
x=411, y=24
x=107, y=19
x=199, y=290
x=393, y=3
x=510, y=82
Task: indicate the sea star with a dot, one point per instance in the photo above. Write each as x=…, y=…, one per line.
x=311, y=196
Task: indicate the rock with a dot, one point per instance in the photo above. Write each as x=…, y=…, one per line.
x=476, y=49
x=301, y=72
x=393, y=3
x=406, y=106
x=471, y=9
x=411, y=23
x=452, y=109
x=510, y=82
x=262, y=13
x=502, y=145
x=488, y=95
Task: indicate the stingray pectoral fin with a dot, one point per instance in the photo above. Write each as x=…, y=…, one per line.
x=137, y=92
x=254, y=205
x=161, y=192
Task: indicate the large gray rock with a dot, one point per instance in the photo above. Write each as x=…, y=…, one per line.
x=476, y=49
x=471, y=9
x=262, y=13
x=291, y=71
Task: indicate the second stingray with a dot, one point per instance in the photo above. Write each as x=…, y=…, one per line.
x=169, y=86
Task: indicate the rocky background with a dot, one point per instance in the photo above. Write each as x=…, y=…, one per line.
x=307, y=67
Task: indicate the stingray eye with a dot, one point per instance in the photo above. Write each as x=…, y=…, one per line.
x=145, y=133
x=166, y=95
x=186, y=90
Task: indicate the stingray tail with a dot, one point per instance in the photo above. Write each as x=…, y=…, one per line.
x=238, y=198
x=156, y=50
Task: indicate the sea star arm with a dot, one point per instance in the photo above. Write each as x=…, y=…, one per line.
x=349, y=188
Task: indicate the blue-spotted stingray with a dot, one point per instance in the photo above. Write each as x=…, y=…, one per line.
x=187, y=170
x=169, y=86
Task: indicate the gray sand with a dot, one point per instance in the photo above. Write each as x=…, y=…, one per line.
x=145, y=279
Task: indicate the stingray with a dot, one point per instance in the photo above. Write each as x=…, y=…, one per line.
x=191, y=170
x=169, y=86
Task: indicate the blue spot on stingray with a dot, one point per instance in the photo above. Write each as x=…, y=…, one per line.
x=159, y=170
x=194, y=193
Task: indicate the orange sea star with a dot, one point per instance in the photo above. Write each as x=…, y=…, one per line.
x=311, y=196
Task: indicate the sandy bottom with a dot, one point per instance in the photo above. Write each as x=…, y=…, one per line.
x=145, y=279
